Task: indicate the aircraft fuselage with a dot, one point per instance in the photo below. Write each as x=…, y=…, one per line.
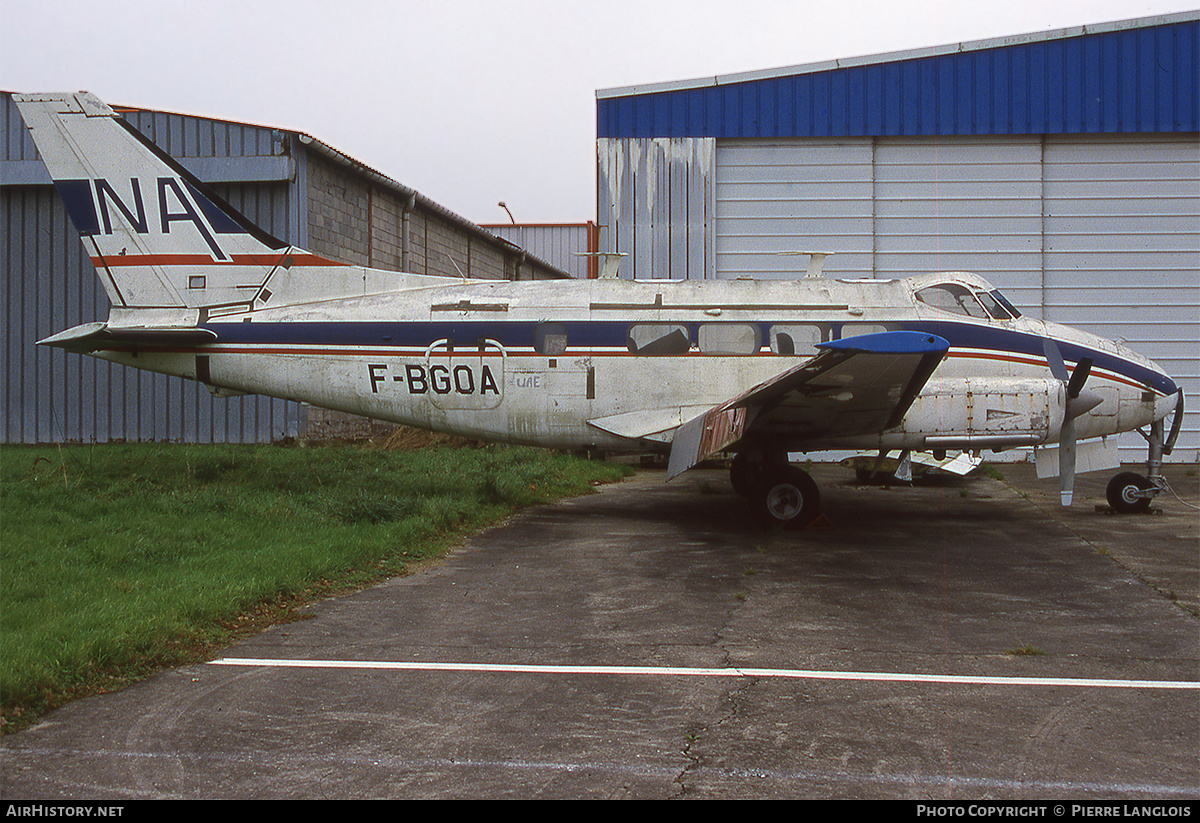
x=617, y=365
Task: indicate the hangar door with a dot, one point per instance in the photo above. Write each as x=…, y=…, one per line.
x=1101, y=232
x=885, y=208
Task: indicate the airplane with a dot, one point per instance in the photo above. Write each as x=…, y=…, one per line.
x=693, y=369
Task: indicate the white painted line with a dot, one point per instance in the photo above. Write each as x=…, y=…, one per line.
x=673, y=671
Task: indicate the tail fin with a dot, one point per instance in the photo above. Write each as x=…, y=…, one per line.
x=157, y=236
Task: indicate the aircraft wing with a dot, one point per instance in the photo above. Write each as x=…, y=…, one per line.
x=858, y=385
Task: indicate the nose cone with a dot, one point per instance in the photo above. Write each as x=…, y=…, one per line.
x=1144, y=391
x=1147, y=372
x=1160, y=393
x=1112, y=357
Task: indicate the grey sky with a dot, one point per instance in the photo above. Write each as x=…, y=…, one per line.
x=470, y=102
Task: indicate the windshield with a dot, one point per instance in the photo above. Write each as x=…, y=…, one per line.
x=953, y=298
x=958, y=299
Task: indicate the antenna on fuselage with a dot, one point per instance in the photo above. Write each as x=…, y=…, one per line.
x=816, y=261
x=612, y=261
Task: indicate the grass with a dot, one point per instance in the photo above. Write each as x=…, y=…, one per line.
x=1026, y=651
x=120, y=560
x=989, y=470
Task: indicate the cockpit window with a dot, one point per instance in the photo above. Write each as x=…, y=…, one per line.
x=953, y=298
x=1012, y=311
x=996, y=310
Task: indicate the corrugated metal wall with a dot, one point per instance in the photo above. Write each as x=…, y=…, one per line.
x=1129, y=78
x=657, y=204
x=565, y=245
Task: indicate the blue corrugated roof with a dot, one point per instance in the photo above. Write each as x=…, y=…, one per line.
x=1129, y=78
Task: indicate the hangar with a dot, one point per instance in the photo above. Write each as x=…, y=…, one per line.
x=1062, y=166
x=295, y=186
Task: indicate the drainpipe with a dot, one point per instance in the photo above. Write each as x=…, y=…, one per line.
x=405, y=222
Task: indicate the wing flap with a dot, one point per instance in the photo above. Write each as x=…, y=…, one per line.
x=853, y=386
x=646, y=424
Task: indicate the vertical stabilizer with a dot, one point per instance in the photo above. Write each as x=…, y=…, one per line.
x=157, y=236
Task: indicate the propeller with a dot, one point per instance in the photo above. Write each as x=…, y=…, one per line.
x=1079, y=402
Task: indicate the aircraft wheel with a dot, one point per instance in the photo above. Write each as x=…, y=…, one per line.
x=788, y=497
x=743, y=475
x=1124, y=490
x=866, y=477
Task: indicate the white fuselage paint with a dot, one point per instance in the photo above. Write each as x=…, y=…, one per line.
x=459, y=356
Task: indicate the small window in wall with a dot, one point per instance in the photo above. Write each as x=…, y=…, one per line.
x=656, y=339
x=550, y=339
x=729, y=338
x=795, y=338
x=953, y=298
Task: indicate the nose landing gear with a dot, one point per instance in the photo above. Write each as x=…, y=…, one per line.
x=1129, y=492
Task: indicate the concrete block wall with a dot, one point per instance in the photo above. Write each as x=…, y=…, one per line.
x=352, y=219
x=338, y=213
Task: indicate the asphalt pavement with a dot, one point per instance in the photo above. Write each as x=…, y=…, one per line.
x=953, y=640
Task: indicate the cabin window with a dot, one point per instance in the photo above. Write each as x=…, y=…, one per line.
x=550, y=339
x=794, y=338
x=729, y=338
x=656, y=339
x=952, y=298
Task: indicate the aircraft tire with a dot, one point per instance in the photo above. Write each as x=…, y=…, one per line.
x=744, y=475
x=1123, y=491
x=788, y=497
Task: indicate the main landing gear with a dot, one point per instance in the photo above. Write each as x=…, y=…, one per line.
x=780, y=493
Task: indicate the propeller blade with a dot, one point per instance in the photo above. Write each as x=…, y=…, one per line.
x=1054, y=359
x=1066, y=461
x=1082, y=369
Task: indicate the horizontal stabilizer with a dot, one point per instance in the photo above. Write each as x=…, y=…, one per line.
x=92, y=337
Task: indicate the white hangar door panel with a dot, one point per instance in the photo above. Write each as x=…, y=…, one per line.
x=961, y=204
x=887, y=208
x=776, y=198
x=1099, y=232
x=1123, y=250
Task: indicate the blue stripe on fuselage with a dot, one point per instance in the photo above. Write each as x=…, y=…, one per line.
x=1011, y=341
x=583, y=334
x=510, y=334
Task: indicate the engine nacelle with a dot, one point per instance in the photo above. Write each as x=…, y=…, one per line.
x=980, y=413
